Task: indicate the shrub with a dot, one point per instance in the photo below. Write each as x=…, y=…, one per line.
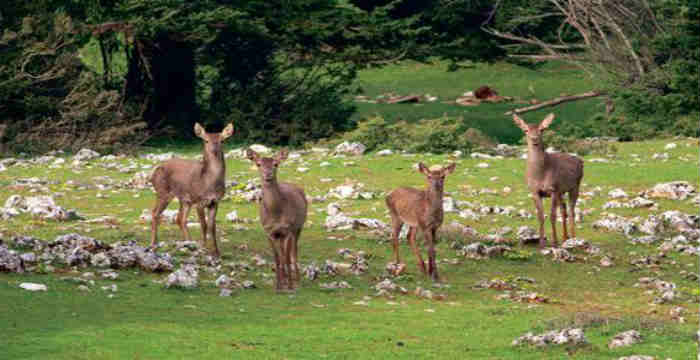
x=434, y=135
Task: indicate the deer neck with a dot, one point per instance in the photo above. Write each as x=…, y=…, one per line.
x=214, y=165
x=271, y=195
x=535, y=161
x=434, y=197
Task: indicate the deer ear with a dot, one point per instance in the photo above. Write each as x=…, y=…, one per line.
x=449, y=169
x=252, y=155
x=520, y=123
x=282, y=155
x=546, y=122
x=199, y=130
x=423, y=169
x=228, y=131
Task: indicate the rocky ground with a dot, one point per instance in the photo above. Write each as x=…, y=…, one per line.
x=84, y=219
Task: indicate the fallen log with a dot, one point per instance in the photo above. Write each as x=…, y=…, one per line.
x=556, y=101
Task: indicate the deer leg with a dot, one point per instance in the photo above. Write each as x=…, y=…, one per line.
x=432, y=265
x=562, y=206
x=211, y=226
x=289, y=244
x=540, y=217
x=278, y=271
x=573, y=197
x=553, y=217
x=412, y=231
x=396, y=225
x=202, y=225
x=161, y=204
x=182, y=216
x=295, y=264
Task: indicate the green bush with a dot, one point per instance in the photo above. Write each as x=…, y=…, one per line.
x=576, y=145
x=430, y=135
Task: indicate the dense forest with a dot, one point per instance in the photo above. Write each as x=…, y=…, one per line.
x=284, y=71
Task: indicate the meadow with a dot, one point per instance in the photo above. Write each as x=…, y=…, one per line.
x=144, y=320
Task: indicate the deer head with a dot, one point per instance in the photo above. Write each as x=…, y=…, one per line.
x=436, y=178
x=212, y=141
x=267, y=165
x=533, y=132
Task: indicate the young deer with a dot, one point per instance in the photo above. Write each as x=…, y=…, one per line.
x=550, y=175
x=194, y=183
x=419, y=209
x=282, y=213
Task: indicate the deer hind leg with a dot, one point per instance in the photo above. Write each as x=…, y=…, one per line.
x=573, y=198
x=540, y=217
x=412, y=231
x=203, y=225
x=182, y=216
x=289, y=249
x=161, y=203
x=562, y=206
x=295, y=264
x=553, y=217
x=396, y=225
x=432, y=265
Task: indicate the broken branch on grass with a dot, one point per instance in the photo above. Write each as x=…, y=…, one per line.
x=556, y=101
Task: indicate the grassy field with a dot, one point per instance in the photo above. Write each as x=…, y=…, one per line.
x=542, y=83
x=145, y=321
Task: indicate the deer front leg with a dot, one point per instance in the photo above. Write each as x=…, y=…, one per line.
x=278, y=271
x=211, y=226
x=562, y=206
x=573, y=197
x=432, y=265
x=288, y=245
x=540, y=217
x=553, y=217
x=412, y=240
x=202, y=225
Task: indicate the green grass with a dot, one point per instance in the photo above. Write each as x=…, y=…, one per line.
x=146, y=321
x=547, y=81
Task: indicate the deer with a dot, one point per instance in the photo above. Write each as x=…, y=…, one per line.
x=550, y=175
x=283, y=211
x=195, y=183
x=419, y=209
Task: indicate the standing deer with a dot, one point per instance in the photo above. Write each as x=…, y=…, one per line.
x=194, y=183
x=550, y=175
x=282, y=213
x=420, y=209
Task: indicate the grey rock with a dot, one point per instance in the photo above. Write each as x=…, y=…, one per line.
x=185, y=277
x=627, y=338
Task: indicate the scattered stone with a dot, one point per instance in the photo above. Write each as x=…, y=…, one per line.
x=223, y=281
x=428, y=294
x=233, y=216
x=385, y=152
x=606, y=261
x=527, y=235
x=557, y=337
x=675, y=190
x=10, y=261
x=335, y=285
x=670, y=146
x=42, y=206
x=140, y=180
x=350, y=148
x=185, y=277
x=33, y=287
x=637, y=357
x=448, y=205
x=85, y=154
x=616, y=223
x=395, y=269
x=248, y=284
x=558, y=254
x=260, y=149
x=617, y=193
x=387, y=286
x=225, y=292
x=311, y=271
x=627, y=338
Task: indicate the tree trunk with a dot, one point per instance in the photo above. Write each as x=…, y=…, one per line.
x=161, y=77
